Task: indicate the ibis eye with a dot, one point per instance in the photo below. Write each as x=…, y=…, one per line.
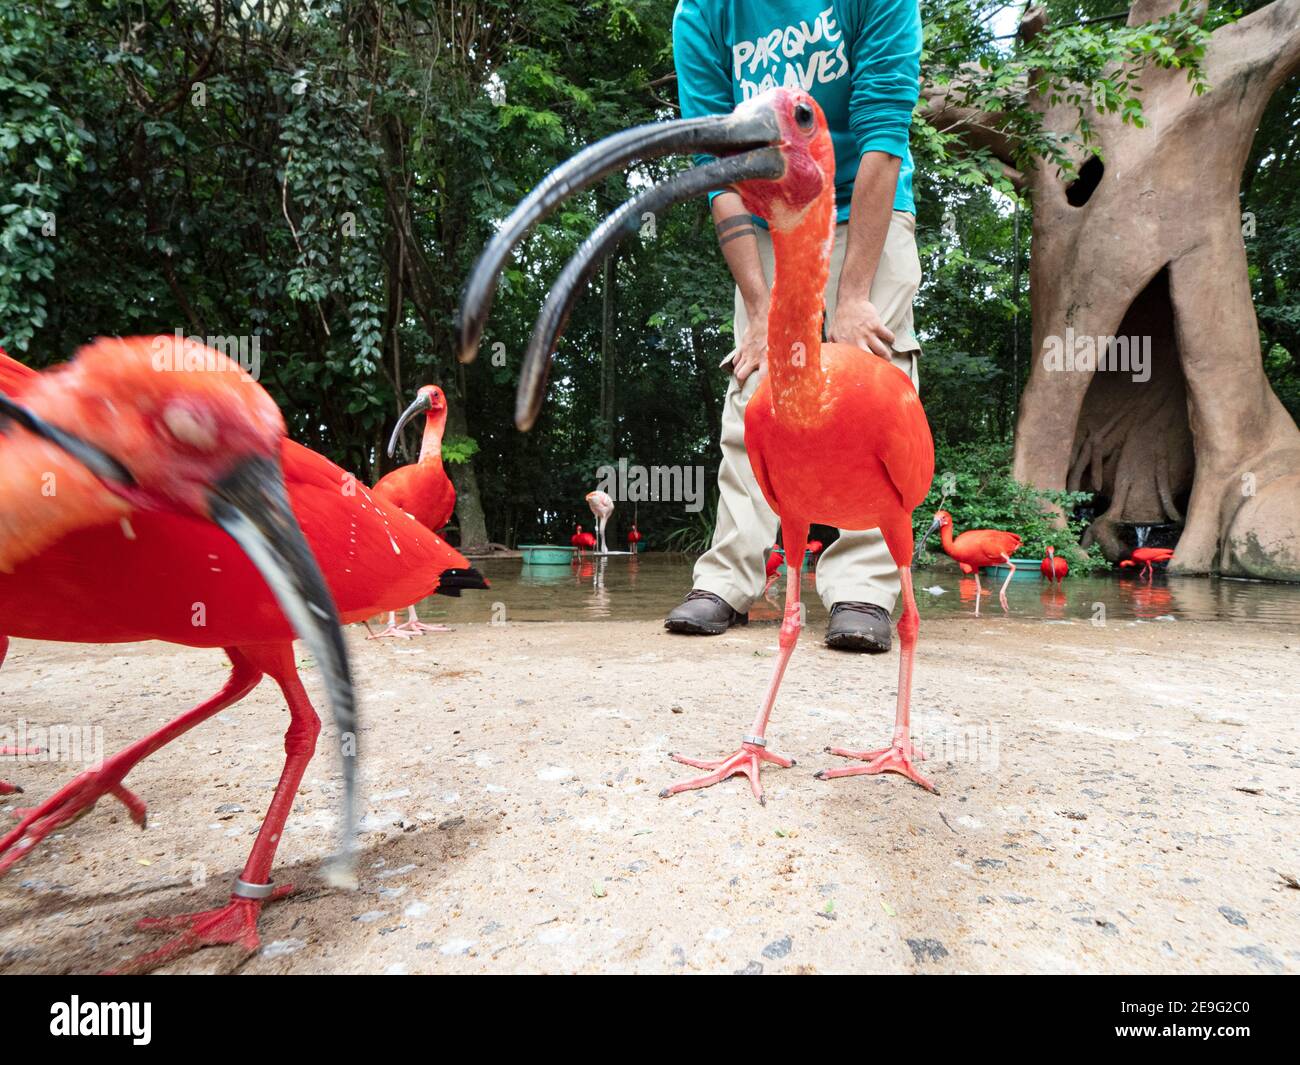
x=190, y=427
x=803, y=116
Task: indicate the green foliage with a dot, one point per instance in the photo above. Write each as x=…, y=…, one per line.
x=459, y=449
x=321, y=177
x=1271, y=230
x=974, y=484
x=693, y=533
x=1093, y=64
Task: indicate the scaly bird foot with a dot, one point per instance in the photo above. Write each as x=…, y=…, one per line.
x=74, y=800
x=234, y=924
x=416, y=628
x=9, y=789
x=747, y=760
x=894, y=759
x=391, y=631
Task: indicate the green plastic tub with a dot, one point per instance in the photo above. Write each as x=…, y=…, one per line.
x=546, y=554
x=1025, y=568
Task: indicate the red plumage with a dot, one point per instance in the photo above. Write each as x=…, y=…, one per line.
x=1146, y=558
x=144, y=577
x=976, y=548
x=835, y=435
x=1054, y=568
x=422, y=488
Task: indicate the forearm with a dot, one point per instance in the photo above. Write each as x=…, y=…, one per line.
x=738, y=239
x=869, y=216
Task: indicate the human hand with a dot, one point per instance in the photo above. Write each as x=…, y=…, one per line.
x=857, y=322
x=751, y=355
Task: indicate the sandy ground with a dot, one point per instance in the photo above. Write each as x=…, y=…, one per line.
x=1118, y=799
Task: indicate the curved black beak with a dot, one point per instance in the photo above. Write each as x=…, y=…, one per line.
x=753, y=132
x=422, y=404
x=251, y=504
x=929, y=532
x=100, y=463
x=719, y=174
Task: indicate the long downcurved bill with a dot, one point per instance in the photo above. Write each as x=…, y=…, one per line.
x=98, y=462
x=747, y=141
x=252, y=506
x=928, y=533
x=419, y=405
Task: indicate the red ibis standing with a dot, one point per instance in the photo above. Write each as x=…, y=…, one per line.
x=424, y=491
x=1053, y=568
x=976, y=548
x=199, y=448
x=186, y=456
x=582, y=541
x=834, y=434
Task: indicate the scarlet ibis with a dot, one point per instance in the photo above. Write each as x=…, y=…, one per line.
x=583, y=541
x=1053, y=568
x=1147, y=557
x=976, y=548
x=834, y=434
x=168, y=574
x=602, y=507
x=633, y=538
x=425, y=492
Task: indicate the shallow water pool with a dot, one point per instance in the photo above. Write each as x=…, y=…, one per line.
x=645, y=587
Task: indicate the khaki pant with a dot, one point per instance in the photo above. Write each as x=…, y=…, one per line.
x=858, y=566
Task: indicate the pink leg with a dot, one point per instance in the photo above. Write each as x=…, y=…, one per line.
x=979, y=591
x=899, y=755
x=76, y=797
x=753, y=748
x=236, y=922
x=1002, y=592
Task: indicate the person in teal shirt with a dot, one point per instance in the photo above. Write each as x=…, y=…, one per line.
x=860, y=59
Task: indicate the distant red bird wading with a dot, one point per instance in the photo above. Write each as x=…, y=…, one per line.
x=835, y=435
x=1053, y=568
x=1147, y=558
x=976, y=548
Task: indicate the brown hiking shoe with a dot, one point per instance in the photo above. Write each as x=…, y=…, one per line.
x=702, y=613
x=860, y=627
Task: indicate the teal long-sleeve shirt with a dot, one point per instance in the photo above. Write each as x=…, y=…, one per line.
x=860, y=60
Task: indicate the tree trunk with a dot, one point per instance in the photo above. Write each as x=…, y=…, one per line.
x=609, y=357
x=469, y=502
x=1147, y=243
